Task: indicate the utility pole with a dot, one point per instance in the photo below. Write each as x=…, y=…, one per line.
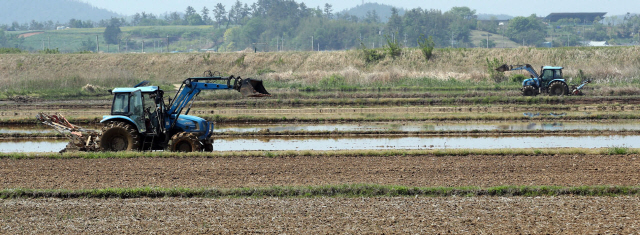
x=43, y=44
x=49, y=42
x=167, y=43
x=97, y=44
x=318, y=46
x=142, y=46
x=312, y=43
x=405, y=40
x=277, y=44
x=451, y=39
x=282, y=43
x=107, y=47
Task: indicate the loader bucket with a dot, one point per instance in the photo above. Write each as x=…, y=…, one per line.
x=253, y=88
x=503, y=68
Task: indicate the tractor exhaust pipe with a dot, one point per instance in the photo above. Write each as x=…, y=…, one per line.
x=252, y=88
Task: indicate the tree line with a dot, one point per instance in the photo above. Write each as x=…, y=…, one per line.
x=288, y=25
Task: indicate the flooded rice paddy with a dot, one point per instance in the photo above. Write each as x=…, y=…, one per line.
x=386, y=126
x=380, y=143
x=373, y=143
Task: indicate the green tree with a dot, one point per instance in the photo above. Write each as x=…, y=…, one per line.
x=10, y=40
x=328, y=9
x=205, y=15
x=526, y=29
x=394, y=25
x=426, y=46
x=195, y=19
x=112, y=32
x=189, y=12
x=219, y=13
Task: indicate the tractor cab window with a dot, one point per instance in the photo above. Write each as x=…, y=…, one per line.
x=120, y=104
x=136, y=104
x=557, y=74
x=547, y=75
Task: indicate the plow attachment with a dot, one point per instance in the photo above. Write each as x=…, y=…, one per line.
x=253, y=88
x=80, y=139
x=503, y=68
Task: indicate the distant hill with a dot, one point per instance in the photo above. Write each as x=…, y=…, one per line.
x=23, y=11
x=383, y=11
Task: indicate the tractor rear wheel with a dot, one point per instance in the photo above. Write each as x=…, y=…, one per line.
x=119, y=136
x=529, y=91
x=185, y=142
x=558, y=88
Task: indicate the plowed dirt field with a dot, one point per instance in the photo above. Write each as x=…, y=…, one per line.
x=481, y=171
x=501, y=215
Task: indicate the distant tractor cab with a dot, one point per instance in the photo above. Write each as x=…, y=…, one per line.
x=549, y=82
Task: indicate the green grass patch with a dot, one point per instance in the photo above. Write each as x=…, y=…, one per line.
x=346, y=190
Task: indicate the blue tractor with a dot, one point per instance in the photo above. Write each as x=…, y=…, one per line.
x=140, y=119
x=550, y=81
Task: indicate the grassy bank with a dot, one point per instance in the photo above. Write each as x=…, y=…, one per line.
x=68, y=73
x=347, y=190
x=341, y=153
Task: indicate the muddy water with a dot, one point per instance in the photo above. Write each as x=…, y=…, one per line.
x=32, y=146
x=427, y=143
x=271, y=144
x=397, y=126
x=422, y=126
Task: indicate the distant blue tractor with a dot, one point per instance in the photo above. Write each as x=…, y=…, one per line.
x=550, y=81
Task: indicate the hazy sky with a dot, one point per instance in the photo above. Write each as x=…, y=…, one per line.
x=508, y=7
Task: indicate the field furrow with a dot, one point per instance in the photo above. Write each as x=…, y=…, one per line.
x=421, y=215
x=231, y=172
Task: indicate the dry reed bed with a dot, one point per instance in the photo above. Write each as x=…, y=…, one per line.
x=422, y=215
x=604, y=64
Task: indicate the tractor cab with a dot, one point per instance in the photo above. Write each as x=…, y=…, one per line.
x=139, y=106
x=550, y=73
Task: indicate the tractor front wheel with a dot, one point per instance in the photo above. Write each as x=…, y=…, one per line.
x=208, y=146
x=529, y=91
x=558, y=88
x=119, y=136
x=185, y=142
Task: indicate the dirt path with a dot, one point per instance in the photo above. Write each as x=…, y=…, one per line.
x=25, y=35
x=460, y=215
x=483, y=171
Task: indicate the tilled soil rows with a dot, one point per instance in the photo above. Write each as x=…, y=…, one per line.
x=422, y=215
x=233, y=172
